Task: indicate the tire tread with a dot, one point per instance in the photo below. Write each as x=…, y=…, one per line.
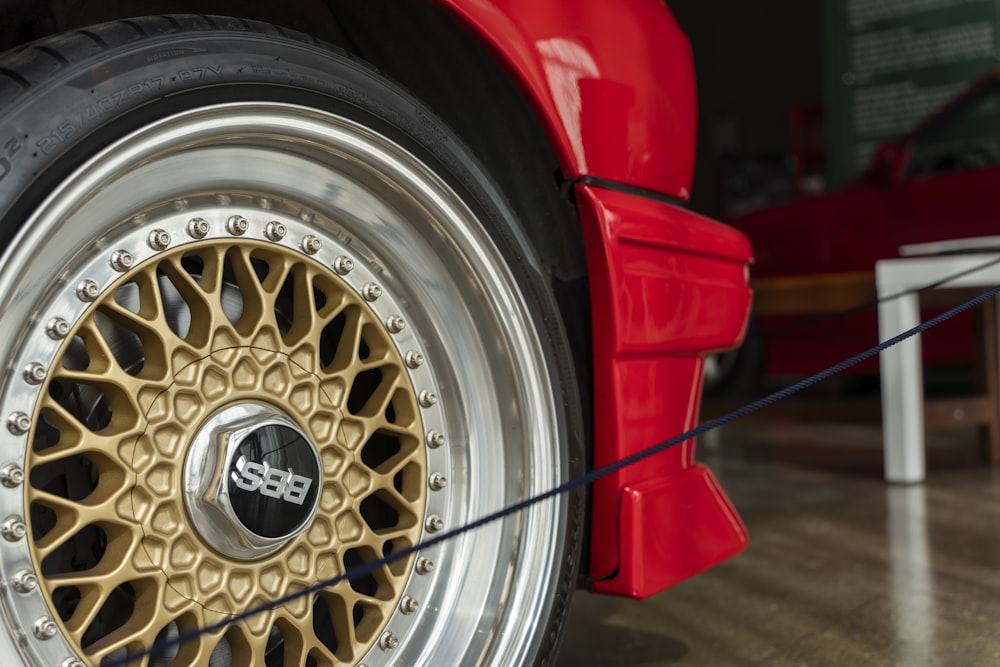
x=71, y=47
x=32, y=65
x=36, y=62
x=186, y=22
x=15, y=77
x=94, y=37
x=54, y=54
x=173, y=21
x=135, y=25
x=11, y=84
x=225, y=23
x=114, y=35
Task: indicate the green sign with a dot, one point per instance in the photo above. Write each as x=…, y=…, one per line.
x=889, y=63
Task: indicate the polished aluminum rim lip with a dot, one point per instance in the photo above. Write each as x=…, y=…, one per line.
x=206, y=467
x=352, y=185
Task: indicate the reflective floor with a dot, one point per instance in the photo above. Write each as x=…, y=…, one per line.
x=841, y=568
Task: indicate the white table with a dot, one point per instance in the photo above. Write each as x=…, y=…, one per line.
x=901, y=368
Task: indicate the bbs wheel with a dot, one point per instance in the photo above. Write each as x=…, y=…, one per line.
x=266, y=320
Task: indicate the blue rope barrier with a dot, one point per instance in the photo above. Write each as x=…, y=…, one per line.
x=584, y=480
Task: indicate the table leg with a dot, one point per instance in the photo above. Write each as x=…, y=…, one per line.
x=902, y=389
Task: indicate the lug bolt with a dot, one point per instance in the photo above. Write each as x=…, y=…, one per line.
x=414, y=359
x=72, y=662
x=87, y=291
x=435, y=439
x=408, y=605
x=197, y=228
x=13, y=529
x=343, y=265
x=424, y=565
x=25, y=581
x=121, y=260
x=18, y=423
x=11, y=475
x=311, y=244
x=57, y=328
x=427, y=398
x=158, y=239
x=437, y=481
x=34, y=373
x=274, y=231
x=434, y=523
x=395, y=324
x=237, y=225
x=371, y=291
x=45, y=628
x=388, y=641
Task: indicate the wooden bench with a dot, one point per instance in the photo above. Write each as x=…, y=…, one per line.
x=812, y=295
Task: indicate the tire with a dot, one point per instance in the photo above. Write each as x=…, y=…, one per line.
x=224, y=245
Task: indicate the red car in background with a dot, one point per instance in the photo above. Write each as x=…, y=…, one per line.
x=289, y=292
x=937, y=182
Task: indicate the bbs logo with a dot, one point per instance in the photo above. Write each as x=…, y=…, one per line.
x=271, y=482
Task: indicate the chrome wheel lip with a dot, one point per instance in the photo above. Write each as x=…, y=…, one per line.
x=315, y=139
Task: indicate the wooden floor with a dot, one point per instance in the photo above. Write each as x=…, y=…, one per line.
x=842, y=569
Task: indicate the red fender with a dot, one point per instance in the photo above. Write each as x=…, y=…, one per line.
x=613, y=85
x=612, y=82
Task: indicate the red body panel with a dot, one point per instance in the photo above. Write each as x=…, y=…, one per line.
x=613, y=84
x=673, y=285
x=612, y=81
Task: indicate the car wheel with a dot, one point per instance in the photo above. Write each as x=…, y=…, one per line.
x=265, y=320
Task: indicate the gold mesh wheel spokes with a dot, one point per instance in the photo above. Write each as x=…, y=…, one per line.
x=174, y=341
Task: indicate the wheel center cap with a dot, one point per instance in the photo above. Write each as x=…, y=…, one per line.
x=251, y=480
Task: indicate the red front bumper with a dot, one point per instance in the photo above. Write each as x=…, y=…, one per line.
x=666, y=287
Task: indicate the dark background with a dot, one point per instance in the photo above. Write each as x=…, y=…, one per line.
x=754, y=61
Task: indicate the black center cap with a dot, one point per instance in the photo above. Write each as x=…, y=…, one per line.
x=273, y=480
